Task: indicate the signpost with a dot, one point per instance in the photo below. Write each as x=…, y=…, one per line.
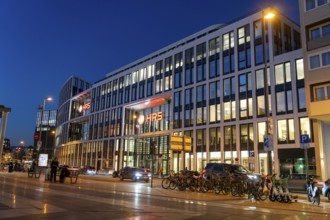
x=43, y=160
x=304, y=144
x=268, y=142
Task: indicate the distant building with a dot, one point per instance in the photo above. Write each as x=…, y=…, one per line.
x=48, y=132
x=315, y=32
x=3, y=123
x=6, y=144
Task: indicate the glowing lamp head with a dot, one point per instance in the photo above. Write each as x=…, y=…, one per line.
x=269, y=15
x=140, y=119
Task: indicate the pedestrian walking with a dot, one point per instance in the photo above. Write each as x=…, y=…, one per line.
x=10, y=168
x=160, y=172
x=33, y=166
x=53, y=169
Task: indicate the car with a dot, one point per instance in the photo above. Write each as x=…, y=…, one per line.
x=224, y=168
x=105, y=171
x=326, y=189
x=135, y=174
x=88, y=170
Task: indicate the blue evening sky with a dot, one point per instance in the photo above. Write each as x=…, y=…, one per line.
x=44, y=42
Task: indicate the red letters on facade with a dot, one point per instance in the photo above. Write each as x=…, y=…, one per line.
x=154, y=116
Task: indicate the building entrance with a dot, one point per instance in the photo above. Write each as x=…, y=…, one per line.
x=143, y=152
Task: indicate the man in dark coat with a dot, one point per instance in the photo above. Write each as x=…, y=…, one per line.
x=53, y=169
x=11, y=166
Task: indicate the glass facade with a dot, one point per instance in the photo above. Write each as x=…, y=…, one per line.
x=209, y=88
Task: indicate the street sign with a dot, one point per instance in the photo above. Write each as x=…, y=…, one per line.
x=304, y=139
x=304, y=145
x=268, y=142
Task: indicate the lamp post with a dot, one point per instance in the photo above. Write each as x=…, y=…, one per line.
x=39, y=144
x=54, y=144
x=267, y=15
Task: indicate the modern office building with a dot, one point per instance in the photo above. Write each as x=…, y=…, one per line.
x=47, y=133
x=210, y=86
x=71, y=117
x=315, y=29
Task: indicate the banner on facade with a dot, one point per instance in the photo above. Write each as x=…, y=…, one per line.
x=187, y=143
x=176, y=143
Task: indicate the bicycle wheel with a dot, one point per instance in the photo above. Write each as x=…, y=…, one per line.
x=182, y=185
x=192, y=185
x=272, y=196
x=279, y=198
x=262, y=195
x=166, y=183
x=198, y=186
x=226, y=189
x=217, y=188
x=234, y=189
x=173, y=184
x=206, y=186
x=317, y=200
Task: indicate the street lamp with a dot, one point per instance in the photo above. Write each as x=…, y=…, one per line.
x=42, y=107
x=267, y=15
x=54, y=143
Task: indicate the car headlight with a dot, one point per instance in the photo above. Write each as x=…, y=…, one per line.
x=252, y=176
x=138, y=175
x=149, y=174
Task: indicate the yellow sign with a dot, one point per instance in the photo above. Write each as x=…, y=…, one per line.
x=187, y=144
x=181, y=143
x=176, y=143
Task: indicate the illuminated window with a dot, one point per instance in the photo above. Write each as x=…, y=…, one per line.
x=285, y=131
x=261, y=131
x=300, y=69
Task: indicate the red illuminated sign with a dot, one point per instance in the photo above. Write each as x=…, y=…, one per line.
x=154, y=116
x=36, y=135
x=86, y=106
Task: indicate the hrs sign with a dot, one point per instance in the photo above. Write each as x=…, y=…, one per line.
x=154, y=117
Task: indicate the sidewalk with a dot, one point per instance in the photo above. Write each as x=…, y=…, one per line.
x=210, y=198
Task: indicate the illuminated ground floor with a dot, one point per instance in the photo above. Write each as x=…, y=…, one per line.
x=145, y=132
x=143, y=152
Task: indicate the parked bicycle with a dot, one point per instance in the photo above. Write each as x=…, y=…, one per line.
x=167, y=180
x=313, y=192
